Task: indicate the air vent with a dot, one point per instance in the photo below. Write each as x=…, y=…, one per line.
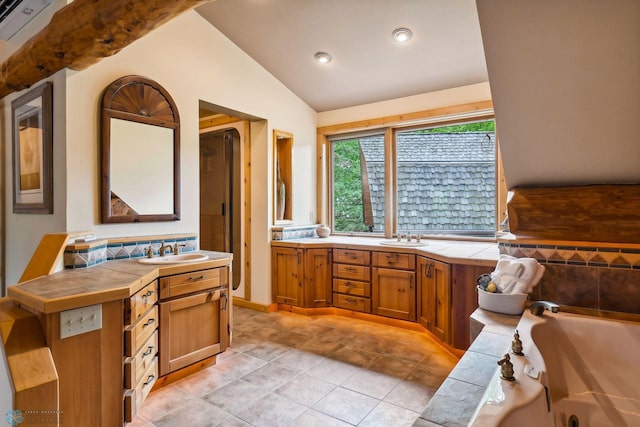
x=15, y=14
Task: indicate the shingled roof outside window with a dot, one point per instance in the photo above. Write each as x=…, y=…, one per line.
x=445, y=181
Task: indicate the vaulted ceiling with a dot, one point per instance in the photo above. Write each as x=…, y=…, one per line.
x=367, y=64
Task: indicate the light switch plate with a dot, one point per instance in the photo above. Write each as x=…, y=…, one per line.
x=80, y=320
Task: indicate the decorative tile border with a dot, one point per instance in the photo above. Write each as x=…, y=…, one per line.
x=293, y=232
x=575, y=255
x=94, y=255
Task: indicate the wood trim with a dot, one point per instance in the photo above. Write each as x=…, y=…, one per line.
x=401, y=119
x=595, y=213
x=322, y=174
x=216, y=120
x=31, y=367
x=184, y=372
x=390, y=182
x=82, y=33
x=240, y=302
x=246, y=158
x=47, y=255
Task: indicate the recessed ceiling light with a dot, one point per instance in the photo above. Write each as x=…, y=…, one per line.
x=402, y=35
x=322, y=57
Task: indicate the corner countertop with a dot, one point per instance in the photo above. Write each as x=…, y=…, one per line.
x=105, y=282
x=466, y=252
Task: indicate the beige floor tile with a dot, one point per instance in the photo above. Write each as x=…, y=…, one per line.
x=393, y=366
x=162, y=401
x=333, y=371
x=298, y=360
x=269, y=377
x=304, y=372
x=204, y=382
x=410, y=395
x=388, y=415
x=235, y=396
x=305, y=389
x=371, y=383
x=197, y=413
x=239, y=365
x=346, y=405
x=272, y=411
x=313, y=418
x=355, y=356
x=267, y=350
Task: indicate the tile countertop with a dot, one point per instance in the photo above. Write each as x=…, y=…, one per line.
x=457, y=398
x=450, y=251
x=105, y=282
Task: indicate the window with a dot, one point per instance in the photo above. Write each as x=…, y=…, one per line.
x=435, y=178
x=446, y=179
x=358, y=183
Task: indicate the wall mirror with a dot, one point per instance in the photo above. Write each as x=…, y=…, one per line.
x=140, y=148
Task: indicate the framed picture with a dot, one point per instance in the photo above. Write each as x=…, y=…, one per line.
x=33, y=151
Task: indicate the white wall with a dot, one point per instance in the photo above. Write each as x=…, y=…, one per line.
x=426, y=101
x=23, y=231
x=193, y=61
x=566, y=89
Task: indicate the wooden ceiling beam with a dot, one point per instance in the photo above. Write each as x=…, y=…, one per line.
x=82, y=33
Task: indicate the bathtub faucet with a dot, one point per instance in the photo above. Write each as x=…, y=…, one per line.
x=538, y=307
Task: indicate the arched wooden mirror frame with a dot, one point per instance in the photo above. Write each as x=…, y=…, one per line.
x=140, y=100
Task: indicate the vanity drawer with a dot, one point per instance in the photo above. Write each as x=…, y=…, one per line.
x=351, y=256
x=134, y=397
x=139, y=303
x=136, y=366
x=355, y=272
x=182, y=284
x=352, y=303
x=394, y=260
x=137, y=334
x=352, y=287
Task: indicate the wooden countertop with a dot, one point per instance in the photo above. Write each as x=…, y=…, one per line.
x=450, y=251
x=105, y=282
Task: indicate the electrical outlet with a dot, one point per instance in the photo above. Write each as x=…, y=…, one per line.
x=80, y=320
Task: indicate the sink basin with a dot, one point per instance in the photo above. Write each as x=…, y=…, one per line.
x=402, y=244
x=174, y=259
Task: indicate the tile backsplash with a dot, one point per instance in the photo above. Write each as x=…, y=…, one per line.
x=88, y=255
x=289, y=232
x=593, y=277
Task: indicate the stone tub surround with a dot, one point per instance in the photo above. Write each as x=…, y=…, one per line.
x=456, y=400
x=83, y=255
x=598, y=277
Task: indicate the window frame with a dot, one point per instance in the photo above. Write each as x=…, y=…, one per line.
x=390, y=125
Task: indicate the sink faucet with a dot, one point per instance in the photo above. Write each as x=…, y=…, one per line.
x=176, y=248
x=163, y=248
x=538, y=307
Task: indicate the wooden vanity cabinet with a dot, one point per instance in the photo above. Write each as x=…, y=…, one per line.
x=434, y=297
x=352, y=279
x=317, y=278
x=287, y=275
x=394, y=285
x=140, y=347
x=464, y=299
x=194, y=317
x=301, y=277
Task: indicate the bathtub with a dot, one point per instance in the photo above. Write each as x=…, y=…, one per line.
x=576, y=371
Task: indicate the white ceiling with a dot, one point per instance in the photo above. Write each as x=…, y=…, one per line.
x=368, y=66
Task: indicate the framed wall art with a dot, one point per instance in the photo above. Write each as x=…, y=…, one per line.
x=33, y=151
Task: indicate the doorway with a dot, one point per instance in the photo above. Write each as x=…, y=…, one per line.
x=220, y=195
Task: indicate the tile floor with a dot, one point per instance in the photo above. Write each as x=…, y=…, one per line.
x=285, y=369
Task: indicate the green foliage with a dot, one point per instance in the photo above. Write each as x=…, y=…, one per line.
x=347, y=187
x=488, y=126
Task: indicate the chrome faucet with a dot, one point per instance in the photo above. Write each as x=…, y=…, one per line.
x=163, y=248
x=538, y=307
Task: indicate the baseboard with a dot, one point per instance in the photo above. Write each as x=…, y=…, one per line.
x=241, y=302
